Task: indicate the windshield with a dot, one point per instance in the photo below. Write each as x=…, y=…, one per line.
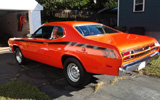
x=90, y=30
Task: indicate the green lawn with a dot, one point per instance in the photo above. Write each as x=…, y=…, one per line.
x=20, y=90
x=153, y=69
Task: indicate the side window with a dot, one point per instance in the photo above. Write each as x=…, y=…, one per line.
x=58, y=32
x=44, y=32
x=138, y=5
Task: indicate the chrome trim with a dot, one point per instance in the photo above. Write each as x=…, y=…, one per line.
x=143, y=59
x=10, y=49
x=128, y=68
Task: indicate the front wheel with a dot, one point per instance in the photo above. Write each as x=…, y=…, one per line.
x=75, y=73
x=19, y=56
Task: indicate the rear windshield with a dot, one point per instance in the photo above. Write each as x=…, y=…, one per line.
x=90, y=30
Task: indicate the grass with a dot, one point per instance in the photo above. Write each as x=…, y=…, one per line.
x=153, y=69
x=20, y=90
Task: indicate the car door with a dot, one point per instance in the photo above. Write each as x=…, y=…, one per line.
x=56, y=46
x=37, y=46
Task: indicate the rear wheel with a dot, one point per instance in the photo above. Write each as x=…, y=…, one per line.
x=19, y=56
x=75, y=73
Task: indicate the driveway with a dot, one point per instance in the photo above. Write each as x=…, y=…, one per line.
x=51, y=81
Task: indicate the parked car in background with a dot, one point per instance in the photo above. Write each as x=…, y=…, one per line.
x=82, y=48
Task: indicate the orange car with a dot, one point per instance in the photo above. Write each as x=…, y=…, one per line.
x=82, y=48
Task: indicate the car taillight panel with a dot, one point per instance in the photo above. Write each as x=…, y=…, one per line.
x=127, y=55
x=151, y=45
x=137, y=52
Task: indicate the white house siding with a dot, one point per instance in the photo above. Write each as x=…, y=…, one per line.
x=34, y=20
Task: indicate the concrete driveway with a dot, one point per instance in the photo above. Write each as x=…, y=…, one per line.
x=51, y=81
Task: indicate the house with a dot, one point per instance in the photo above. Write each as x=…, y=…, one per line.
x=140, y=13
x=107, y=16
x=18, y=18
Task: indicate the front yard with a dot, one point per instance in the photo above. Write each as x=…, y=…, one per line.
x=153, y=68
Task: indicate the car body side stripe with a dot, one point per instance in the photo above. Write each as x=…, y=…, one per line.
x=29, y=41
x=110, y=51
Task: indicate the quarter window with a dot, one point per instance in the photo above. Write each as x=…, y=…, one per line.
x=138, y=5
x=58, y=32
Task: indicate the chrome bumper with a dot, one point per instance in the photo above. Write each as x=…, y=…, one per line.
x=128, y=68
x=10, y=49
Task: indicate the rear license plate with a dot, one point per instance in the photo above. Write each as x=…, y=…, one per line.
x=142, y=65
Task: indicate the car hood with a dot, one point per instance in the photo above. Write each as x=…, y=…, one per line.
x=123, y=41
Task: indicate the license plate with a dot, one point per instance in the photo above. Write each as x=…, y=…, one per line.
x=142, y=65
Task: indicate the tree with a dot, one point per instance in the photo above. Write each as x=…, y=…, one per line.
x=51, y=6
x=100, y=4
x=111, y=4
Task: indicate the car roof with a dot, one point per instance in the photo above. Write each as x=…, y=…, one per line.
x=70, y=23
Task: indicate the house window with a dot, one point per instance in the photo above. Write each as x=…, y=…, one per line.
x=139, y=5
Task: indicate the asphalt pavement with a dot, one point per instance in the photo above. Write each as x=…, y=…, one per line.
x=51, y=81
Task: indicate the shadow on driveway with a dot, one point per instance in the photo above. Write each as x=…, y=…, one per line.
x=48, y=79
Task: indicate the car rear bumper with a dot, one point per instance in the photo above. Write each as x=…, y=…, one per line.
x=128, y=68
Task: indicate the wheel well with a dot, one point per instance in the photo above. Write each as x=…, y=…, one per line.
x=64, y=57
x=15, y=47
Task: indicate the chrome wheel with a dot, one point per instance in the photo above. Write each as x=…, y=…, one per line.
x=19, y=56
x=73, y=72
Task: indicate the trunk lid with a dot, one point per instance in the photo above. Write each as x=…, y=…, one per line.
x=123, y=41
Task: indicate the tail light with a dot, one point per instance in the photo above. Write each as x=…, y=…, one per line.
x=151, y=45
x=127, y=54
x=137, y=52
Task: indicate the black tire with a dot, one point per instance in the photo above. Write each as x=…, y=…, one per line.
x=19, y=56
x=75, y=73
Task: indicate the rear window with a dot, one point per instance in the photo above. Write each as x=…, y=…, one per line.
x=90, y=30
